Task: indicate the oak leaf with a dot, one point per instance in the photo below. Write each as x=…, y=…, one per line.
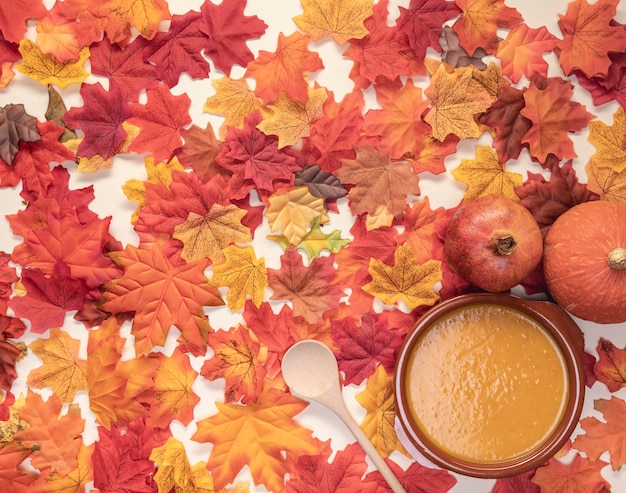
x=243, y=274
x=378, y=399
x=604, y=181
x=227, y=29
x=283, y=70
x=588, y=36
x=17, y=126
x=291, y=119
x=161, y=295
x=580, y=476
x=610, y=368
x=56, y=437
x=290, y=209
x=257, y=435
x=46, y=69
x=456, y=103
x=479, y=23
x=486, y=176
x=204, y=236
x=62, y=369
x=315, y=240
x=521, y=52
x=377, y=180
x=238, y=358
x=405, y=280
x=554, y=115
x=307, y=287
x=609, y=142
x=341, y=20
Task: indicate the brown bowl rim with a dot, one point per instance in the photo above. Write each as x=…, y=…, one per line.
x=569, y=338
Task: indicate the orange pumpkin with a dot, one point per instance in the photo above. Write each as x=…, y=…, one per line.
x=585, y=261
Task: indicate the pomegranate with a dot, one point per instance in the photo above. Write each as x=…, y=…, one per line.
x=493, y=242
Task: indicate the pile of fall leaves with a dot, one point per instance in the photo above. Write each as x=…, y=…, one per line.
x=287, y=153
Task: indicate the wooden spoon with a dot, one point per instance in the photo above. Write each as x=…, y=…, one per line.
x=311, y=372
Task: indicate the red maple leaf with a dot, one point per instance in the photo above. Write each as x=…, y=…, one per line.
x=100, y=118
x=422, y=23
x=199, y=151
x=384, y=52
x=418, y=479
x=7, y=278
x=48, y=298
x=344, y=473
x=610, y=368
x=178, y=50
x=32, y=161
x=8, y=50
x=14, y=14
x=283, y=70
x=13, y=478
x=9, y=354
x=161, y=121
x=227, y=30
x=516, y=484
x=308, y=288
x=124, y=67
x=255, y=160
x=365, y=344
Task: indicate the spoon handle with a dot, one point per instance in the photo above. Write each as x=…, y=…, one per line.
x=369, y=448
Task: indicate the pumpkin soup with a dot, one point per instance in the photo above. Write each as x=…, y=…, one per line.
x=486, y=383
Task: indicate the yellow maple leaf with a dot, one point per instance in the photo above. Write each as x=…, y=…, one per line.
x=235, y=100
x=380, y=218
x=263, y=435
x=62, y=370
x=457, y=99
x=315, y=240
x=46, y=69
x=243, y=274
x=486, y=176
x=123, y=15
x=340, y=19
x=606, y=182
x=72, y=482
x=204, y=236
x=609, y=142
x=15, y=422
x=290, y=119
x=135, y=190
x=405, y=280
x=378, y=399
x=290, y=209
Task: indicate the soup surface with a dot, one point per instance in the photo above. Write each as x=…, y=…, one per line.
x=486, y=383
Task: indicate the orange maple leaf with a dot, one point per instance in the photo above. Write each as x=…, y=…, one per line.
x=580, y=476
x=13, y=475
x=161, y=295
x=478, y=25
x=239, y=359
x=548, y=106
x=51, y=481
x=262, y=435
x=284, y=69
x=588, y=37
x=419, y=228
x=399, y=121
x=55, y=439
x=377, y=180
x=339, y=19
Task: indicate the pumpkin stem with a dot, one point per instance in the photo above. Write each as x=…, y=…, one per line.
x=617, y=258
x=504, y=243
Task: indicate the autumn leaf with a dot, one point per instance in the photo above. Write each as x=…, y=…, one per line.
x=554, y=115
x=320, y=183
x=519, y=482
x=243, y=274
x=161, y=295
x=609, y=142
x=455, y=103
x=377, y=180
x=62, y=369
x=74, y=481
x=13, y=476
x=453, y=54
x=521, y=52
x=62, y=37
x=227, y=30
x=46, y=69
x=588, y=36
x=16, y=126
x=604, y=181
x=239, y=359
x=144, y=16
x=480, y=20
x=405, y=280
x=486, y=176
x=315, y=240
x=419, y=228
x=610, y=369
x=378, y=399
x=56, y=438
x=341, y=20
x=256, y=435
x=283, y=70
x=307, y=287
x=291, y=119
x=204, y=236
x=290, y=209
x=199, y=150
x=580, y=476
